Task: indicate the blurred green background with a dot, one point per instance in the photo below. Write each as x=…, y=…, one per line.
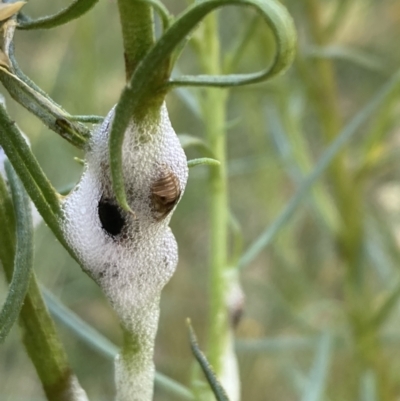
x=298, y=337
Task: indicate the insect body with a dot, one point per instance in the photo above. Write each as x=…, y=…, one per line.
x=165, y=193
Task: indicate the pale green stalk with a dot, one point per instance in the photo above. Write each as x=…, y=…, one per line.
x=214, y=115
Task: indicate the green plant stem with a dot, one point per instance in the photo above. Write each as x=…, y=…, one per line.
x=214, y=113
x=137, y=31
x=134, y=366
x=348, y=196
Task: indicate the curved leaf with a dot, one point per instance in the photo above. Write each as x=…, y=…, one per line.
x=73, y=11
x=203, y=161
x=147, y=75
x=277, y=18
x=23, y=255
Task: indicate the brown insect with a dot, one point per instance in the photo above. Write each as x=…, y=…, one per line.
x=165, y=193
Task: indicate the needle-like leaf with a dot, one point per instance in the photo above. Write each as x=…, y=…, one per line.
x=215, y=385
x=23, y=255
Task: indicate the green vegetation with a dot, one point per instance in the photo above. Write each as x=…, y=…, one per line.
x=302, y=209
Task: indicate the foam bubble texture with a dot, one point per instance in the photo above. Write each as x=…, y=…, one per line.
x=130, y=256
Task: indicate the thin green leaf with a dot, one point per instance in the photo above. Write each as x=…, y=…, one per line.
x=188, y=141
x=147, y=73
x=203, y=161
x=314, y=391
x=215, y=385
x=103, y=345
x=23, y=255
x=340, y=141
x=73, y=11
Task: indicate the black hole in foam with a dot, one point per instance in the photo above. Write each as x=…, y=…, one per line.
x=110, y=217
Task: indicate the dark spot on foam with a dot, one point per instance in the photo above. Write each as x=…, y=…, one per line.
x=110, y=216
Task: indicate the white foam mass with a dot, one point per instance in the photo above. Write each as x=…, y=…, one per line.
x=132, y=266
